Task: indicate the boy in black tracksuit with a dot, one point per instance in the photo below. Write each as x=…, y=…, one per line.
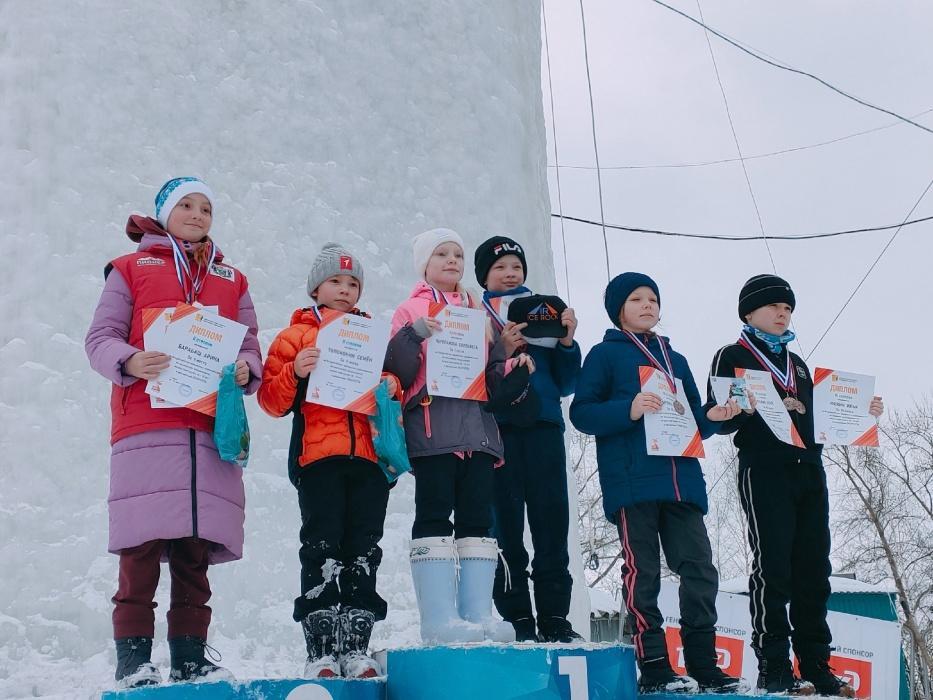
x=783, y=493
x=534, y=474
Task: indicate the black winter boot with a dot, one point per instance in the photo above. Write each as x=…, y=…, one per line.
x=824, y=680
x=134, y=668
x=657, y=676
x=190, y=664
x=321, y=629
x=356, y=626
x=777, y=676
x=713, y=680
x=554, y=629
x=525, y=629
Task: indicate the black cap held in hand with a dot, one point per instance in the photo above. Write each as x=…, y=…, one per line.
x=762, y=290
x=542, y=314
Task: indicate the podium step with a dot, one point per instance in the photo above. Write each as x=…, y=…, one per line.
x=512, y=672
x=266, y=689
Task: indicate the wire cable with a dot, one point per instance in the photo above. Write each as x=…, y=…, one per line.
x=738, y=147
x=720, y=237
x=872, y=267
x=722, y=161
x=784, y=66
x=560, y=205
x=599, y=179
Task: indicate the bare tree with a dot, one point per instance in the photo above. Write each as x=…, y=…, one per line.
x=885, y=511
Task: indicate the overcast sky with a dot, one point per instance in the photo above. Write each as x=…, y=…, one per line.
x=657, y=101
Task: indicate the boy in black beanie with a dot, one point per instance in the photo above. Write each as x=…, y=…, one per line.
x=783, y=492
x=535, y=469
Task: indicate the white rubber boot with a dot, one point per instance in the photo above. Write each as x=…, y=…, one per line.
x=478, y=559
x=434, y=573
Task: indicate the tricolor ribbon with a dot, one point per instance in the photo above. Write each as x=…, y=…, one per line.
x=440, y=297
x=190, y=285
x=786, y=379
x=668, y=371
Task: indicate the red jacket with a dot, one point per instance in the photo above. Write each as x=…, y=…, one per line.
x=150, y=275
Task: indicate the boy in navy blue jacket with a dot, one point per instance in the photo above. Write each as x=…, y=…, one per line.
x=649, y=497
x=534, y=474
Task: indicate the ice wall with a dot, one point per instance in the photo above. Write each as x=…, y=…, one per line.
x=344, y=120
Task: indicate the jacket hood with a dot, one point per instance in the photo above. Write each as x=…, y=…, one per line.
x=151, y=237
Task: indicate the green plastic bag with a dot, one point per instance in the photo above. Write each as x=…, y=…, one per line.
x=231, y=429
x=389, y=434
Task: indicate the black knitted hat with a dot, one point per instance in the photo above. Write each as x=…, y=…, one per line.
x=762, y=290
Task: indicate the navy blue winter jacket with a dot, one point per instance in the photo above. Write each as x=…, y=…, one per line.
x=555, y=375
x=606, y=387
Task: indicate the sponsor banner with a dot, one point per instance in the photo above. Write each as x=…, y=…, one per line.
x=866, y=651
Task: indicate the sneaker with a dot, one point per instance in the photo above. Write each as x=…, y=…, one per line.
x=525, y=629
x=713, y=680
x=824, y=680
x=777, y=678
x=556, y=630
x=657, y=676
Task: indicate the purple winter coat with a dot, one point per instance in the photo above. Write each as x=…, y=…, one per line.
x=168, y=484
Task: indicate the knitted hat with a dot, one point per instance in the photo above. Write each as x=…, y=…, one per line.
x=172, y=193
x=491, y=250
x=619, y=289
x=333, y=259
x=762, y=290
x=423, y=246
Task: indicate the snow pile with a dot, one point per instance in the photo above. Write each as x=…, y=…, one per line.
x=312, y=121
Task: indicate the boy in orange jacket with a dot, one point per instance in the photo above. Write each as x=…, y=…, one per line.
x=342, y=492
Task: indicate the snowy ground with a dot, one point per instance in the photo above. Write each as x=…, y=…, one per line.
x=313, y=121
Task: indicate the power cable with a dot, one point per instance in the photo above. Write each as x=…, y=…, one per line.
x=722, y=161
x=738, y=147
x=872, y=267
x=599, y=179
x=719, y=237
x=560, y=205
x=783, y=66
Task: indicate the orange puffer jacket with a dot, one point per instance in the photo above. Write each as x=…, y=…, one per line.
x=324, y=432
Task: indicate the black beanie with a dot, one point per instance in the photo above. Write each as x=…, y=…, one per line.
x=762, y=290
x=491, y=250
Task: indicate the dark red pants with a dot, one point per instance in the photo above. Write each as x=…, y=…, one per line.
x=189, y=614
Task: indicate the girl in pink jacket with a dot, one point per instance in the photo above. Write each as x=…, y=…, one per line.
x=453, y=445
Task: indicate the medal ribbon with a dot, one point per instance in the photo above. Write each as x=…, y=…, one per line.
x=786, y=379
x=494, y=314
x=668, y=372
x=190, y=286
x=440, y=298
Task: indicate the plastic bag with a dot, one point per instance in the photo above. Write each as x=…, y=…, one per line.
x=389, y=434
x=231, y=429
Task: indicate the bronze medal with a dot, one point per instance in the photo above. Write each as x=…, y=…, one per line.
x=679, y=407
x=790, y=403
x=801, y=409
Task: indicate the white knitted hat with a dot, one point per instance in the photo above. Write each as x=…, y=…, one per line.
x=172, y=193
x=423, y=246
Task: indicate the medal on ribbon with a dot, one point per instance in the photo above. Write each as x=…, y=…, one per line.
x=190, y=284
x=787, y=379
x=667, y=369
